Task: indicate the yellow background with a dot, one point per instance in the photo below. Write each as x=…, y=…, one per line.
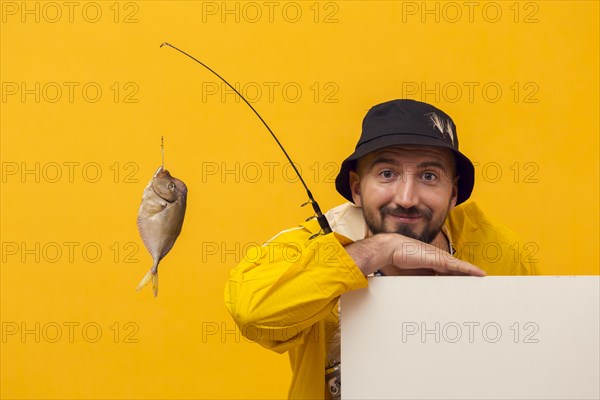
x=357, y=54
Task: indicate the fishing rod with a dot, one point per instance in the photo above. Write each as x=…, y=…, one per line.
x=323, y=223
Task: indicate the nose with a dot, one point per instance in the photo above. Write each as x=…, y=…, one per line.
x=406, y=191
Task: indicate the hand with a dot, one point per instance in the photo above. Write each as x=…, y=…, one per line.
x=396, y=254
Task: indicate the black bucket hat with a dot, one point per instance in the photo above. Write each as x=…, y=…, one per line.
x=402, y=122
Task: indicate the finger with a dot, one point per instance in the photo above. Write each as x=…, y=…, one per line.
x=414, y=254
x=452, y=273
x=416, y=272
x=443, y=262
x=464, y=267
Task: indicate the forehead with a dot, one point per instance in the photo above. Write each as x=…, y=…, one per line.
x=409, y=154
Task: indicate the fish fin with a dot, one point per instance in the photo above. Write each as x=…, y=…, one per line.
x=144, y=280
x=151, y=275
x=155, y=283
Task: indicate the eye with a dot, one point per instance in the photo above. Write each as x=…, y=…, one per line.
x=429, y=176
x=171, y=186
x=387, y=174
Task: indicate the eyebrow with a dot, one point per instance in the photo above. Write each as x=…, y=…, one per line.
x=424, y=164
x=437, y=164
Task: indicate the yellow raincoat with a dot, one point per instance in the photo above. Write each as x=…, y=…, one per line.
x=286, y=297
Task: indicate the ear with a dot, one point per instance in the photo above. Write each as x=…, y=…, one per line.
x=355, y=188
x=454, y=197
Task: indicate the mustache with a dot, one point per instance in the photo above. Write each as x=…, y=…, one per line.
x=400, y=211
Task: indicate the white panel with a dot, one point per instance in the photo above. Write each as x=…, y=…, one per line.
x=472, y=338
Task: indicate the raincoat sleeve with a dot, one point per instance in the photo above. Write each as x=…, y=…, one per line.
x=276, y=295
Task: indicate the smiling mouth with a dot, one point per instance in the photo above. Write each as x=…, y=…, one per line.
x=406, y=218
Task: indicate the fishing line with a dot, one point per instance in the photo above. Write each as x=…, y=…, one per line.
x=162, y=151
x=311, y=200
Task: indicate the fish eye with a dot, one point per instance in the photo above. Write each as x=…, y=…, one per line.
x=171, y=186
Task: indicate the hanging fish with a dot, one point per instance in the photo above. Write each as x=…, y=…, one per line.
x=160, y=219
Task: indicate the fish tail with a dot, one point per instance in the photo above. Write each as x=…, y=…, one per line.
x=144, y=280
x=151, y=275
x=155, y=283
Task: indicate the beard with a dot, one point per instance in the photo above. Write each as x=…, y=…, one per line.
x=427, y=234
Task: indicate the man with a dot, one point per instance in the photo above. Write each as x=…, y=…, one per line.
x=404, y=179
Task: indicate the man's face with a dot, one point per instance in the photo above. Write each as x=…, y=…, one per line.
x=406, y=189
